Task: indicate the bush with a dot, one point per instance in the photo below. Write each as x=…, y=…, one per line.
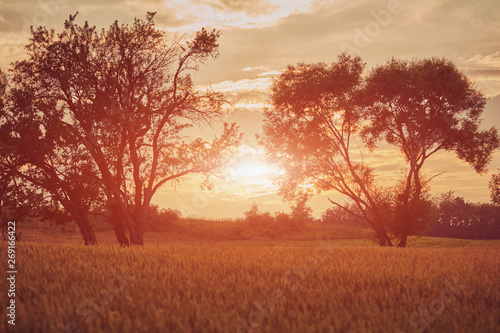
x=458, y=218
x=162, y=217
x=339, y=216
x=255, y=218
x=281, y=221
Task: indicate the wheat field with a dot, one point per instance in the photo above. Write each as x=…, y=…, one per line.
x=250, y=286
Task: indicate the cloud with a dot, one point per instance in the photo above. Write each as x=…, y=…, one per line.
x=261, y=84
x=226, y=14
x=485, y=62
x=264, y=71
x=485, y=71
x=248, y=69
x=252, y=8
x=245, y=93
x=270, y=72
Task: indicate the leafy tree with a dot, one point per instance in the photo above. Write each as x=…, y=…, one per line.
x=42, y=166
x=255, y=218
x=309, y=131
x=494, y=186
x=337, y=215
x=420, y=107
x=423, y=107
x=162, y=217
x=17, y=202
x=301, y=213
x=125, y=96
x=458, y=218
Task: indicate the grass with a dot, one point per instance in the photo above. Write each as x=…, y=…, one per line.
x=319, y=285
x=191, y=230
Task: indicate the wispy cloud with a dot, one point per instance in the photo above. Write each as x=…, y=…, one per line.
x=487, y=61
x=260, y=84
x=244, y=94
x=248, y=69
x=226, y=14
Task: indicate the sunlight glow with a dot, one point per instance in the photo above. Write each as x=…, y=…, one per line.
x=253, y=170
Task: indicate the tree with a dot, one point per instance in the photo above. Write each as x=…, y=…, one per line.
x=412, y=216
x=301, y=213
x=17, y=201
x=125, y=96
x=494, y=186
x=420, y=107
x=339, y=216
x=454, y=217
x=423, y=107
x=42, y=166
x=255, y=218
x=309, y=131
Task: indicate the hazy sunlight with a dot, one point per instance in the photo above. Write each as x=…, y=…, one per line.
x=252, y=170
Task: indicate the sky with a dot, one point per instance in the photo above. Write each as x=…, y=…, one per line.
x=261, y=37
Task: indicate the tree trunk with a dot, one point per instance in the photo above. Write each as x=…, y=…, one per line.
x=383, y=238
x=402, y=240
x=118, y=226
x=88, y=234
x=139, y=228
x=141, y=218
x=132, y=232
x=121, y=219
x=79, y=214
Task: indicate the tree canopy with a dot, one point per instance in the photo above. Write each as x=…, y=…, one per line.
x=318, y=111
x=111, y=106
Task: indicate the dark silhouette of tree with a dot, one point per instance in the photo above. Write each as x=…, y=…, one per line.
x=16, y=202
x=309, y=131
x=420, y=211
x=339, y=216
x=43, y=166
x=124, y=95
x=422, y=107
x=457, y=218
x=494, y=186
x=256, y=218
x=300, y=212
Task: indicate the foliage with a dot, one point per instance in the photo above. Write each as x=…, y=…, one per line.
x=494, y=186
x=337, y=215
x=309, y=129
x=255, y=218
x=424, y=106
x=301, y=213
x=458, y=218
x=420, y=107
x=162, y=217
x=17, y=201
x=412, y=214
x=120, y=100
x=295, y=221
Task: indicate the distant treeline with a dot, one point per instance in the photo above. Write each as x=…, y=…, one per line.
x=452, y=217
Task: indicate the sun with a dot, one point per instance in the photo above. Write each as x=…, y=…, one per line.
x=252, y=170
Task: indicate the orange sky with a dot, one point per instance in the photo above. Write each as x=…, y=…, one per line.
x=260, y=37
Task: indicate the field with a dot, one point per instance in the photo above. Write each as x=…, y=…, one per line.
x=190, y=285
